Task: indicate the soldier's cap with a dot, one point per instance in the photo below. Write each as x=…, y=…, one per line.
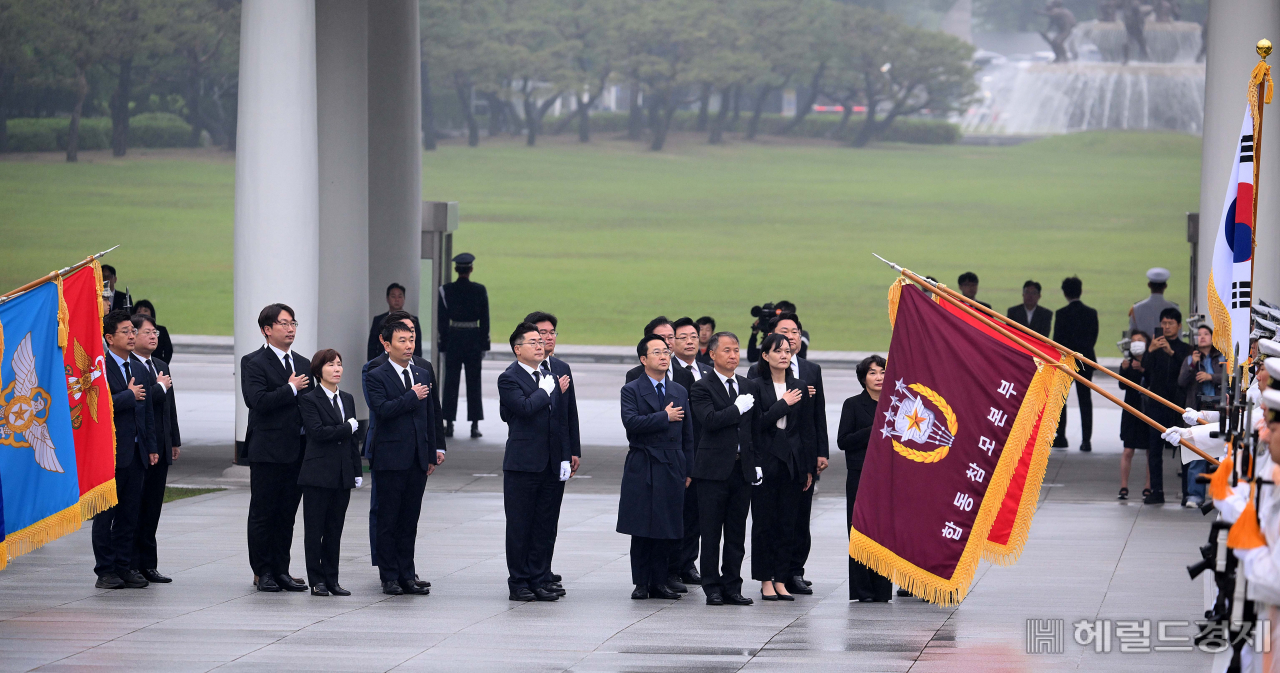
x=1158, y=275
x=1269, y=347
x=1271, y=398
x=464, y=259
x=1273, y=368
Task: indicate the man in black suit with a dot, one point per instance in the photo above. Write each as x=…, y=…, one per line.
x=129, y=383
x=788, y=325
x=1030, y=313
x=686, y=370
x=531, y=466
x=968, y=284
x=120, y=301
x=706, y=327
x=404, y=451
x=168, y=439
x=395, y=304
x=564, y=435
x=1076, y=327
x=270, y=380
x=437, y=423
x=724, y=469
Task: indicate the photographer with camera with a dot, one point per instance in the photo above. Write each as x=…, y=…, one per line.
x=1201, y=377
x=762, y=327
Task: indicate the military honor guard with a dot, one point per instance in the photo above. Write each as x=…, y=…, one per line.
x=168, y=440
x=1145, y=315
x=463, y=322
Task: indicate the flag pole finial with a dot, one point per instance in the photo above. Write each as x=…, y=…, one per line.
x=1264, y=48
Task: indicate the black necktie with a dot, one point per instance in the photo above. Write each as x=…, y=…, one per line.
x=151, y=366
x=337, y=409
x=288, y=365
x=407, y=383
x=127, y=375
x=732, y=393
x=662, y=392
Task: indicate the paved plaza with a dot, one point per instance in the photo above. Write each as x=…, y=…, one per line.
x=1088, y=557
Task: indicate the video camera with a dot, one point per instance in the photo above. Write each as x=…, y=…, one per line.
x=763, y=311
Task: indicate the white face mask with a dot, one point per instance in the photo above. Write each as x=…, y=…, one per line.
x=1137, y=348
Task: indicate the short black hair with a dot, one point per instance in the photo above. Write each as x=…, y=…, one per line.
x=1032, y=283
x=1171, y=312
x=107, y=268
x=684, y=322
x=707, y=320
x=521, y=330
x=1205, y=325
x=395, y=316
x=1141, y=333
x=1072, y=287
x=784, y=306
x=540, y=316
x=394, y=286
x=655, y=324
x=864, y=368
x=773, y=324
x=642, y=348
x=714, y=341
x=271, y=313
x=112, y=321
x=967, y=277
x=144, y=303
x=139, y=318
x=390, y=327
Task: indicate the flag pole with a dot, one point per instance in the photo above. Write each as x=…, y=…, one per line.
x=1040, y=337
x=55, y=274
x=1036, y=353
x=1258, y=96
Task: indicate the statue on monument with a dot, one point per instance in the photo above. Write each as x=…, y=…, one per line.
x=1107, y=10
x=1135, y=18
x=1061, y=22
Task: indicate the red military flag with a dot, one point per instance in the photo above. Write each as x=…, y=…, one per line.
x=91, y=416
x=954, y=450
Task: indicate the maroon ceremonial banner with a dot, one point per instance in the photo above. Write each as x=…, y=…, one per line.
x=936, y=472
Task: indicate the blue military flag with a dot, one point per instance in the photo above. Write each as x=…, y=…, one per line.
x=38, y=481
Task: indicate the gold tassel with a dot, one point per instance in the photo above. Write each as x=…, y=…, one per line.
x=44, y=531
x=895, y=293
x=97, y=279
x=99, y=499
x=1261, y=72
x=64, y=316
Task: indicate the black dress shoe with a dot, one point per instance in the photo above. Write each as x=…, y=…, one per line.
x=448, y=428
x=903, y=593
x=797, y=586
x=767, y=597
x=319, y=590
x=475, y=430
x=422, y=583
x=691, y=576
x=1156, y=498
x=1086, y=447
x=109, y=581
x=673, y=583
x=555, y=588
x=337, y=590
x=392, y=589
x=663, y=591
x=412, y=589
x=134, y=580
x=715, y=598
x=523, y=594
x=1059, y=442
x=544, y=595
x=154, y=575
x=786, y=597
x=265, y=583
x=289, y=584
x=806, y=582
x=556, y=578
x=640, y=593
x=737, y=599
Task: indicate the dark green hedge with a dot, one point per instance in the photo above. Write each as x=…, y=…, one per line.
x=905, y=130
x=49, y=134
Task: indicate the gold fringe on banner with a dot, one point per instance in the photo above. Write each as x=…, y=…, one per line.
x=99, y=499
x=64, y=316
x=1053, y=391
x=4, y=554
x=97, y=278
x=44, y=531
x=895, y=293
x=1221, y=325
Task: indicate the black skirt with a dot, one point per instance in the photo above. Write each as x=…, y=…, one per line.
x=1133, y=432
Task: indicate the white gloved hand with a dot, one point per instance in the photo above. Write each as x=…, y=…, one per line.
x=355, y=425
x=744, y=403
x=547, y=383
x=565, y=470
x=359, y=482
x=1193, y=417
x=759, y=477
x=1174, y=435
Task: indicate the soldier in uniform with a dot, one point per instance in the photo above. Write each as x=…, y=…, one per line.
x=464, y=338
x=1145, y=315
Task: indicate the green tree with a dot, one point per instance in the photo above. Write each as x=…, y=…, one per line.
x=16, y=58
x=203, y=64
x=79, y=30
x=588, y=30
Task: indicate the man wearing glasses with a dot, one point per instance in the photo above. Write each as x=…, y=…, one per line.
x=532, y=465
x=686, y=370
x=168, y=441
x=270, y=380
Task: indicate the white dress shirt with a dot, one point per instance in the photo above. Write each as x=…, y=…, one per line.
x=151, y=366
x=289, y=370
x=692, y=368
x=342, y=409
x=724, y=383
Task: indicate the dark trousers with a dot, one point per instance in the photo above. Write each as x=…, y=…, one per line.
x=452, y=373
x=684, y=553
x=274, y=496
x=324, y=510
x=723, y=506
x=1085, y=397
x=373, y=522
x=399, y=506
x=144, y=541
x=802, y=542
x=1156, y=446
x=865, y=584
x=649, y=560
x=774, y=505
x=114, y=529
x=532, y=502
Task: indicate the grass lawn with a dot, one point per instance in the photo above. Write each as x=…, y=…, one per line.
x=608, y=235
x=172, y=493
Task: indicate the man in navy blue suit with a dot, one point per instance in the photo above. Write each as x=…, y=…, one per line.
x=404, y=452
x=128, y=381
x=655, y=413
x=565, y=438
x=532, y=465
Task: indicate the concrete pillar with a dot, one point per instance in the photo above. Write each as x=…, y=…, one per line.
x=277, y=197
x=1234, y=28
x=343, y=129
x=395, y=153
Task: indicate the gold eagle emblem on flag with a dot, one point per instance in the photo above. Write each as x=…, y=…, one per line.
x=80, y=384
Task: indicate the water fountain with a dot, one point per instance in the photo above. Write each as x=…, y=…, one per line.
x=1030, y=96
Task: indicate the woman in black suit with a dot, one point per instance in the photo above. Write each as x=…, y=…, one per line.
x=330, y=469
x=856, y=418
x=164, y=349
x=786, y=445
